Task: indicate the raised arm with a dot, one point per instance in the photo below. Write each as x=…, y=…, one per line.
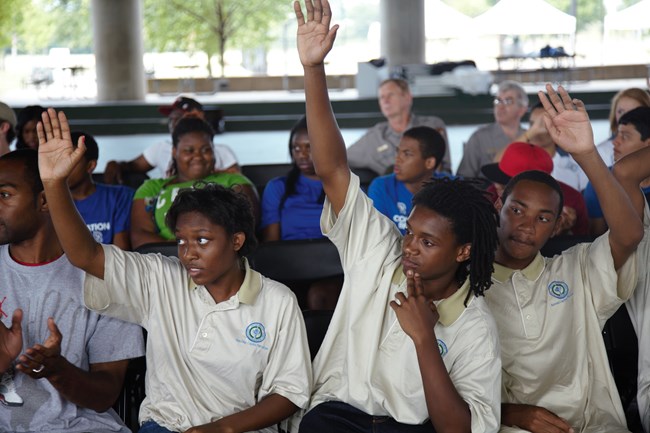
x=567, y=121
x=630, y=171
x=315, y=40
x=56, y=159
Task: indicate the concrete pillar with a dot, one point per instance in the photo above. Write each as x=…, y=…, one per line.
x=117, y=31
x=402, y=32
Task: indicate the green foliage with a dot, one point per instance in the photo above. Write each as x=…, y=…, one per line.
x=589, y=12
x=627, y=3
x=43, y=24
x=212, y=26
x=9, y=20
x=358, y=15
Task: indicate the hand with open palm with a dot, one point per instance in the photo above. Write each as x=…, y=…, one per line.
x=57, y=156
x=315, y=38
x=567, y=121
x=11, y=340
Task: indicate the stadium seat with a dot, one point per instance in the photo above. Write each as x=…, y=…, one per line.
x=165, y=248
x=260, y=174
x=301, y=265
x=299, y=260
x=130, y=179
x=128, y=403
x=366, y=176
x=316, y=323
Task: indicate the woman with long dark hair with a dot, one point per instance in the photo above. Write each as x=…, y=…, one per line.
x=292, y=204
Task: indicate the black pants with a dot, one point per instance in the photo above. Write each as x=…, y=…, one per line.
x=339, y=417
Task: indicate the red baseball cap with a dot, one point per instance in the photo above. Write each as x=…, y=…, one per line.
x=518, y=157
x=182, y=103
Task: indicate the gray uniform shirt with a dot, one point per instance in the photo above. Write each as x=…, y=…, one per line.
x=481, y=148
x=377, y=148
x=55, y=290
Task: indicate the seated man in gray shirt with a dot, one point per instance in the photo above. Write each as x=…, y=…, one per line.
x=377, y=148
x=510, y=105
x=63, y=369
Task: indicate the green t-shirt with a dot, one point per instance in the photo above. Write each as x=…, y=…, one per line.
x=158, y=194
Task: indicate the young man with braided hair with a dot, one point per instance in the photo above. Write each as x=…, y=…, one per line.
x=412, y=344
x=550, y=311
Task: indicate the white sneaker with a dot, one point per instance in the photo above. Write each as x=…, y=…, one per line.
x=8, y=394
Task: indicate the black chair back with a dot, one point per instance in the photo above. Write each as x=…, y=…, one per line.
x=316, y=323
x=169, y=249
x=299, y=260
x=260, y=174
x=557, y=244
x=366, y=176
x=130, y=179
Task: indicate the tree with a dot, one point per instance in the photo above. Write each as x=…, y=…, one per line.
x=211, y=25
x=588, y=11
x=39, y=25
x=9, y=17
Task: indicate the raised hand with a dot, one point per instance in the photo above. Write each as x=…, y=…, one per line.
x=56, y=154
x=43, y=360
x=315, y=38
x=417, y=315
x=567, y=121
x=11, y=340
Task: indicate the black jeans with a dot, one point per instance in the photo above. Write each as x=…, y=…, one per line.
x=339, y=417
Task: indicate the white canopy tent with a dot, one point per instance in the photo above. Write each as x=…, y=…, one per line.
x=441, y=21
x=635, y=17
x=524, y=17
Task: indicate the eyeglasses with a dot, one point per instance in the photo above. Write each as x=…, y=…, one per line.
x=506, y=101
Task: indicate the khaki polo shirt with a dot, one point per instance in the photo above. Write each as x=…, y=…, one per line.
x=550, y=317
x=205, y=360
x=367, y=360
x=639, y=308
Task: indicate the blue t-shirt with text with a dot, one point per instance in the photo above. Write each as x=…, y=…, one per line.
x=107, y=211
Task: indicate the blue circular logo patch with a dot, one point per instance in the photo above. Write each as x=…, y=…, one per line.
x=255, y=332
x=558, y=289
x=442, y=347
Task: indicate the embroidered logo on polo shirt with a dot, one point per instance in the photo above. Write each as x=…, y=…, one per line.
x=255, y=332
x=559, y=290
x=442, y=347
